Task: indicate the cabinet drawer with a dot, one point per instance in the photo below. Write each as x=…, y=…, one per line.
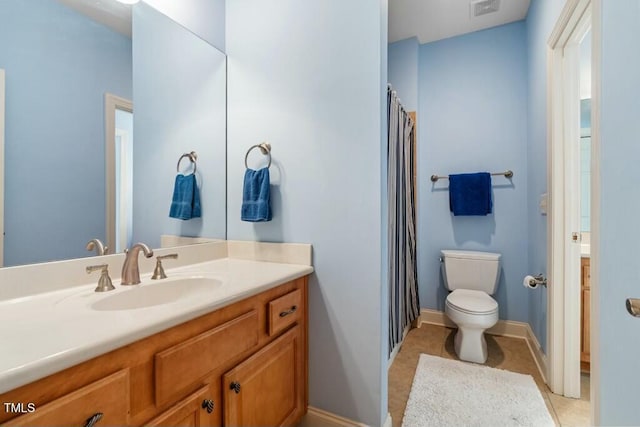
x=189, y=412
x=182, y=366
x=284, y=311
x=586, y=273
x=108, y=396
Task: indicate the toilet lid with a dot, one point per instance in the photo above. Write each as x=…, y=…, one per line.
x=470, y=301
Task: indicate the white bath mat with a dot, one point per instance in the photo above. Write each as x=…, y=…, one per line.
x=452, y=393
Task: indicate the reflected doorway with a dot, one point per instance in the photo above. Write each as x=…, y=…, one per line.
x=119, y=172
x=124, y=180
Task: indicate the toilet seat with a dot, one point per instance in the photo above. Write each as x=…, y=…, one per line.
x=471, y=302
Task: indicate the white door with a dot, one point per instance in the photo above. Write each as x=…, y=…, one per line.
x=616, y=211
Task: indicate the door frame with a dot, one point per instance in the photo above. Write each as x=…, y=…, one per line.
x=563, y=297
x=111, y=103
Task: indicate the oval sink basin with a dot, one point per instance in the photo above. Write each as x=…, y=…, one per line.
x=153, y=294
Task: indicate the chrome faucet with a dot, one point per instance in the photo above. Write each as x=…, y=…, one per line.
x=130, y=270
x=99, y=247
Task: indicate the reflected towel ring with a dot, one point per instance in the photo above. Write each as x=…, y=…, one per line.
x=192, y=157
x=265, y=147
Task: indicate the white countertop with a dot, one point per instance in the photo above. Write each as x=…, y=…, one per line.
x=46, y=333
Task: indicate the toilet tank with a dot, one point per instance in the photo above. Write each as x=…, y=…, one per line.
x=473, y=270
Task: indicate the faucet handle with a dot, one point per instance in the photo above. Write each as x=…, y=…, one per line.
x=158, y=272
x=104, y=283
x=98, y=246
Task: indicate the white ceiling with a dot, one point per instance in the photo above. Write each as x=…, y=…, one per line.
x=431, y=20
x=111, y=13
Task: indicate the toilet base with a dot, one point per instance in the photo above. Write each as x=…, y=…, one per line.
x=470, y=345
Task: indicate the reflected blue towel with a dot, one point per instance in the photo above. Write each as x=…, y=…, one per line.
x=256, y=196
x=470, y=193
x=186, y=198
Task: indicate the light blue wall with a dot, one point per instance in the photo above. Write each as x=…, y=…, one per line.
x=472, y=117
x=59, y=64
x=322, y=114
x=541, y=18
x=617, y=257
x=179, y=107
x=204, y=17
x=403, y=71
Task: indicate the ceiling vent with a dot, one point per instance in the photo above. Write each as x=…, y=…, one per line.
x=483, y=7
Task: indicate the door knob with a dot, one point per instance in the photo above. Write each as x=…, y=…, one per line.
x=633, y=306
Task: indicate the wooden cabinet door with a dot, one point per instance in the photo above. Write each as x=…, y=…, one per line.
x=586, y=320
x=105, y=401
x=189, y=412
x=585, y=338
x=268, y=389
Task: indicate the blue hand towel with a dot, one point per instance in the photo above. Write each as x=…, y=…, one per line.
x=186, y=198
x=256, y=196
x=470, y=194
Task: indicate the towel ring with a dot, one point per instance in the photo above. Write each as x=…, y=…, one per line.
x=192, y=157
x=265, y=147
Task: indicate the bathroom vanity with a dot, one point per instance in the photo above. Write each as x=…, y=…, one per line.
x=235, y=354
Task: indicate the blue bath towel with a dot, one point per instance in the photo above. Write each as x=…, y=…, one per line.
x=470, y=193
x=256, y=196
x=186, y=198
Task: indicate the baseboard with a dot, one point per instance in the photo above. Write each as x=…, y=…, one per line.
x=506, y=328
x=538, y=355
x=396, y=349
x=318, y=418
x=388, y=422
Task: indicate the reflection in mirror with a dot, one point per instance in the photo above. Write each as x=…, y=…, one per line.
x=60, y=66
x=179, y=84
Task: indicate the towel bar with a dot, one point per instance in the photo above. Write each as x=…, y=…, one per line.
x=507, y=173
x=265, y=148
x=192, y=157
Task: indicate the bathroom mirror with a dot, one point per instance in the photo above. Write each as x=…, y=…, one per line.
x=60, y=61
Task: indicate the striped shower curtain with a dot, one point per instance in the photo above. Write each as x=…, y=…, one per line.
x=404, y=306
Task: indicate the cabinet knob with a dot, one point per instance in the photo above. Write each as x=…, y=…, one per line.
x=633, y=306
x=93, y=419
x=208, y=405
x=235, y=386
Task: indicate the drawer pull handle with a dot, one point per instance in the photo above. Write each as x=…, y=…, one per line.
x=208, y=405
x=290, y=311
x=93, y=420
x=235, y=386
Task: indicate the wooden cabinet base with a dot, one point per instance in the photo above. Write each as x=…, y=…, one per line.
x=177, y=377
x=585, y=303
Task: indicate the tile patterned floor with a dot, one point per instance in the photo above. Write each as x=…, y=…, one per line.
x=505, y=353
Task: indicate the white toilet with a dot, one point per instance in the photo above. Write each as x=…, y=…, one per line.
x=472, y=277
